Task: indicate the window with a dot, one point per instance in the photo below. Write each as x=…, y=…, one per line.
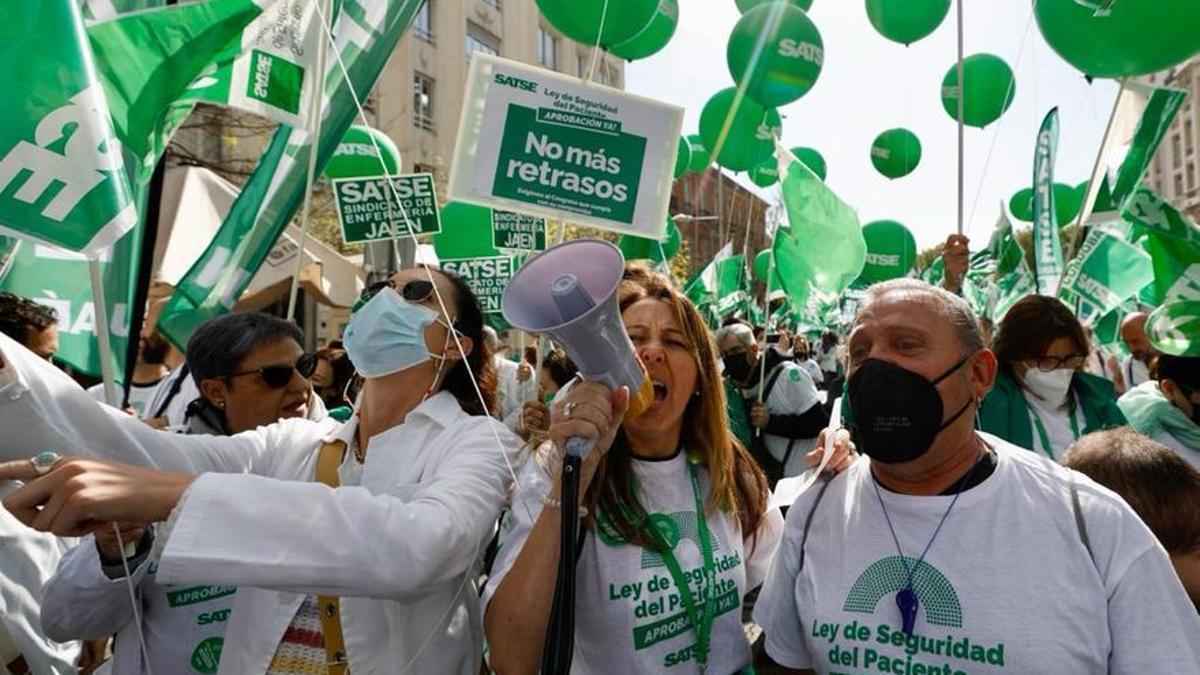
x=547, y=49
x=479, y=40
x=1176, y=153
x=1191, y=174
x=494, y=4
x=583, y=61
x=423, y=102
x=1178, y=185
x=1187, y=137
x=423, y=22
x=423, y=168
x=604, y=74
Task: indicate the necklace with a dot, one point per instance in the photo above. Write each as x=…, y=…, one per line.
x=906, y=600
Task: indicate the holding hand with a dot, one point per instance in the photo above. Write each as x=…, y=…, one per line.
x=524, y=372
x=591, y=411
x=535, y=419
x=113, y=551
x=843, y=453
x=759, y=415
x=78, y=496
x=955, y=258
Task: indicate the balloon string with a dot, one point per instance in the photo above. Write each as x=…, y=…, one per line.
x=596, y=47
x=987, y=162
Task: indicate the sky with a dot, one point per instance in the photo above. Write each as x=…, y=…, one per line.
x=869, y=84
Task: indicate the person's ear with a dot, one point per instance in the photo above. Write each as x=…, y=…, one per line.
x=459, y=349
x=215, y=391
x=1171, y=391
x=983, y=367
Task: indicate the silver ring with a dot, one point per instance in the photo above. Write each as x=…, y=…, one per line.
x=44, y=461
x=569, y=408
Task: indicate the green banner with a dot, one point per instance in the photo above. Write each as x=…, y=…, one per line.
x=1161, y=107
x=1175, y=328
x=1047, y=249
x=366, y=34
x=518, y=232
x=487, y=277
x=368, y=210
x=61, y=166
x=1107, y=271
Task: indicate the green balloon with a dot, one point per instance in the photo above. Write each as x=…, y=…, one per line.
x=1174, y=328
x=642, y=248
x=356, y=157
x=1021, y=205
x=654, y=36
x=466, y=232
x=765, y=174
x=747, y=5
x=989, y=89
x=891, y=251
x=812, y=159
x=1067, y=201
x=1126, y=38
x=743, y=130
x=906, y=21
x=580, y=19
x=896, y=152
x=683, y=157
x=790, y=58
x=700, y=157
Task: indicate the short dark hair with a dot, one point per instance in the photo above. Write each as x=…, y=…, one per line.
x=19, y=317
x=219, y=345
x=1183, y=370
x=561, y=368
x=1160, y=485
x=1029, y=327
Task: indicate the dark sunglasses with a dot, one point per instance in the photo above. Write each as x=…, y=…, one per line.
x=277, y=377
x=416, y=290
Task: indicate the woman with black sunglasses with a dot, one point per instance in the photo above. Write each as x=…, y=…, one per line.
x=251, y=373
x=422, y=475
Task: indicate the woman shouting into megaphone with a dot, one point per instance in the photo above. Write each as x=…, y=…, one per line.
x=676, y=528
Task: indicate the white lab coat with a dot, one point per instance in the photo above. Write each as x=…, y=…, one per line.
x=400, y=541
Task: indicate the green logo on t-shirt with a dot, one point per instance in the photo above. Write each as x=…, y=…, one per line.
x=207, y=655
x=887, y=576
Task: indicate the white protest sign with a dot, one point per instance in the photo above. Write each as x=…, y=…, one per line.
x=543, y=143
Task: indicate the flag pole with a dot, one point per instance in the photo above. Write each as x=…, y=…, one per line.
x=762, y=364
x=1088, y=199
x=961, y=97
x=101, y=314
x=314, y=133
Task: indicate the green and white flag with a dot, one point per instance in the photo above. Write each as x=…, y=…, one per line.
x=1175, y=328
x=1011, y=288
x=366, y=33
x=1047, y=249
x=61, y=167
x=1003, y=248
x=823, y=244
x=146, y=61
x=703, y=288
x=1173, y=242
x=1107, y=271
x=103, y=10
x=270, y=72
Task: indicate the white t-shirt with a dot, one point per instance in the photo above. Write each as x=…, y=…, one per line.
x=813, y=370
x=828, y=360
x=140, y=395
x=1057, y=423
x=630, y=619
x=1135, y=372
x=793, y=394
x=176, y=411
x=1007, y=586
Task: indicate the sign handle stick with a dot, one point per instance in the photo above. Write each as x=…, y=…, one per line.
x=762, y=366
x=961, y=97
x=102, y=327
x=314, y=133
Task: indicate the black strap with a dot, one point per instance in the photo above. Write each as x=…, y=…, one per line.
x=775, y=373
x=809, y=518
x=1080, y=523
x=175, y=387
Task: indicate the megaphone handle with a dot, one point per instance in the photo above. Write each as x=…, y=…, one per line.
x=578, y=446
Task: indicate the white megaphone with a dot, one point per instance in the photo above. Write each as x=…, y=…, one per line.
x=569, y=293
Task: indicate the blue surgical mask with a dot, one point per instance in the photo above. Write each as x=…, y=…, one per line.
x=387, y=335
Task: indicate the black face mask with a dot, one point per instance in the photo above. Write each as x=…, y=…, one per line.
x=897, y=413
x=738, y=366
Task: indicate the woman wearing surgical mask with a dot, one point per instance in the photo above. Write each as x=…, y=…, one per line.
x=677, y=521
x=1042, y=400
x=383, y=517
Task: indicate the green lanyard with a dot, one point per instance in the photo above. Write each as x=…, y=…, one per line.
x=702, y=624
x=1041, y=428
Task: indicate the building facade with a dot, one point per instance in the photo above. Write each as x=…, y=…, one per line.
x=419, y=97
x=1175, y=172
x=711, y=209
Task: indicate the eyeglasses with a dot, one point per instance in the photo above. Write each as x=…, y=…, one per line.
x=1049, y=363
x=416, y=290
x=277, y=377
